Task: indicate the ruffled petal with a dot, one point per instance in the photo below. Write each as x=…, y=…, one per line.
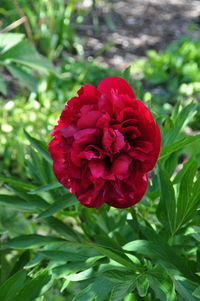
x=115, y=84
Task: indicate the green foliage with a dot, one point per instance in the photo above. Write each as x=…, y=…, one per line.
x=52, y=248
x=176, y=68
x=106, y=254
x=172, y=74
x=53, y=24
x=19, y=57
x=39, y=112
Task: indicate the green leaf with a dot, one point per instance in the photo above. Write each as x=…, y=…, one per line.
x=186, y=203
x=68, y=201
x=169, y=149
x=26, y=77
x=36, y=201
x=9, y=40
x=30, y=241
x=81, y=276
x=66, y=256
x=196, y=292
x=183, y=170
x=180, y=120
x=142, y=285
x=114, y=254
x=126, y=74
x=24, y=53
x=161, y=283
x=70, y=269
x=39, y=146
x=34, y=288
x=22, y=260
x=94, y=290
x=10, y=288
x=39, y=167
x=17, y=182
x=46, y=188
x=166, y=210
x=118, y=275
x=3, y=87
x=16, y=202
x=63, y=228
x=15, y=223
x=160, y=252
x=122, y=290
x=67, y=269
x=186, y=288
x=196, y=192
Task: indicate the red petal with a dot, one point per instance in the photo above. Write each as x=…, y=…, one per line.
x=121, y=164
x=115, y=83
x=89, y=120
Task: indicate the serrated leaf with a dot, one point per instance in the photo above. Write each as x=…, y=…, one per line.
x=11, y=287
x=39, y=146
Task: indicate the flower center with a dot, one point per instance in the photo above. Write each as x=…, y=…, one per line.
x=108, y=163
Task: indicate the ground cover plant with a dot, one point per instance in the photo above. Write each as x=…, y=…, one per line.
x=148, y=250
x=51, y=246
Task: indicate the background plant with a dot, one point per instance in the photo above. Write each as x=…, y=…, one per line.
x=60, y=246
x=52, y=248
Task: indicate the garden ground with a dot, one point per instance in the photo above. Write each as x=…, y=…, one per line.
x=132, y=29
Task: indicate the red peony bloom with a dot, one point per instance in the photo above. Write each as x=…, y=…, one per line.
x=105, y=143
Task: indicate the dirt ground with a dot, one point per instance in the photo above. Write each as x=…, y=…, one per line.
x=127, y=29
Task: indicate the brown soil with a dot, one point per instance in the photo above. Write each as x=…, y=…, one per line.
x=127, y=29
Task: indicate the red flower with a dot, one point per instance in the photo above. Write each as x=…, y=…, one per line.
x=105, y=143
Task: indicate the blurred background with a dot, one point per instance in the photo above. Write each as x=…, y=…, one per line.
x=48, y=49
